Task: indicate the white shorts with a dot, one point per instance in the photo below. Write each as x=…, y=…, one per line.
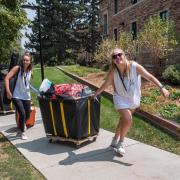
x=121, y=102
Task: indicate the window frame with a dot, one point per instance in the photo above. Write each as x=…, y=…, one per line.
x=105, y=25
x=134, y=1
x=166, y=17
x=132, y=31
x=116, y=3
x=115, y=37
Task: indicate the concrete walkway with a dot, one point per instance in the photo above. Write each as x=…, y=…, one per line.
x=93, y=161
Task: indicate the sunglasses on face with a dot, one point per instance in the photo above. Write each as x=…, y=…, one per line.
x=116, y=55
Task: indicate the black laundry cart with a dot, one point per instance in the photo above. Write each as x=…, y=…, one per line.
x=68, y=119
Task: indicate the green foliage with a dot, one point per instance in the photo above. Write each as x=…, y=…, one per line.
x=172, y=74
x=105, y=67
x=148, y=99
x=127, y=43
x=155, y=92
x=80, y=70
x=69, y=61
x=12, y=19
x=177, y=118
x=53, y=61
x=65, y=25
x=169, y=111
x=158, y=37
x=13, y=165
x=103, y=53
x=175, y=95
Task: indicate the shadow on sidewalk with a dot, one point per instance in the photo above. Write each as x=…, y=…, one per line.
x=43, y=146
x=105, y=154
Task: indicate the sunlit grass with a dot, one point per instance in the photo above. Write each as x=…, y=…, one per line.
x=80, y=70
x=13, y=165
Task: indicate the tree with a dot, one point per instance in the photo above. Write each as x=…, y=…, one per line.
x=125, y=42
x=159, y=38
x=59, y=20
x=128, y=44
x=91, y=37
x=12, y=19
x=103, y=54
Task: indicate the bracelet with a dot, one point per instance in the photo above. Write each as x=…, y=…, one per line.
x=161, y=87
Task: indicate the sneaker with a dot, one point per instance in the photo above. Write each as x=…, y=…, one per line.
x=25, y=128
x=114, y=142
x=24, y=136
x=120, y=148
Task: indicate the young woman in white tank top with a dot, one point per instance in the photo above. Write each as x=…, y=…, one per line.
x=21, y=96
x=125, y=76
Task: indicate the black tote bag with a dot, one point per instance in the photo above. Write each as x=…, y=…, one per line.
x=12, y=84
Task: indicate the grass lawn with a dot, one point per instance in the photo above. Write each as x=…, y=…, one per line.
x=80, y=70
x=13, y=165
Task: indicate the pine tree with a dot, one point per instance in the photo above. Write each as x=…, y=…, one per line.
x=59, y=21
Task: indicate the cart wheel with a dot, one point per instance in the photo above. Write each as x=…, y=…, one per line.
x=77, y=146
x=50, y=140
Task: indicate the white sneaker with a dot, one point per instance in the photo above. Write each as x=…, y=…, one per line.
x=114, y=142
x=120, y=148
x=24, y=136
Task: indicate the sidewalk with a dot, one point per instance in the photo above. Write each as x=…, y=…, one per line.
x=93, y=161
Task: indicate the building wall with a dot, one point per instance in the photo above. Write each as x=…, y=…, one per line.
x=139, y=12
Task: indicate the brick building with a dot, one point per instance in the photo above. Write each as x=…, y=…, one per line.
x=129, y=15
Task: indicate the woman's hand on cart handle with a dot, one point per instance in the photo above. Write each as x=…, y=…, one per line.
x=94, y=96
x=9, y=95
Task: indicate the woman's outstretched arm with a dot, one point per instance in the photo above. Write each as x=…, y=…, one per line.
x=144, y=73
x=108, y=81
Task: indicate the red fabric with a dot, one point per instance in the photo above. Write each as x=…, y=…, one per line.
x=68, y=89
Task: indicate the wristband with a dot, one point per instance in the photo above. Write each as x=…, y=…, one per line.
x=161, y=87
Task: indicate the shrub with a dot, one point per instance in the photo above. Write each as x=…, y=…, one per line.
x=169, y=111
x=172, y=74
x=175, y=95
x=69, y=61
x=105, y=67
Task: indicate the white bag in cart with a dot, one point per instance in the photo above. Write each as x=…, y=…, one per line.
x=45, y=85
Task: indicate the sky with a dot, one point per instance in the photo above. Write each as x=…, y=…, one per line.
x=30, y=15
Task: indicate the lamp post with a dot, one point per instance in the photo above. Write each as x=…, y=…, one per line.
x=40, y=39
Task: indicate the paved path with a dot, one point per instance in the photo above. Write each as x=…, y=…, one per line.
x=93, y=161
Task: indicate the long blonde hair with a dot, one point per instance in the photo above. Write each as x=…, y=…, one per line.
x=126, y=61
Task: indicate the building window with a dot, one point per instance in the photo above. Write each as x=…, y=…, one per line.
x=115, y=6
x=134, y=1
x=115, y=34
x=105, y=26
x=134, y=29
x=164, y=15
